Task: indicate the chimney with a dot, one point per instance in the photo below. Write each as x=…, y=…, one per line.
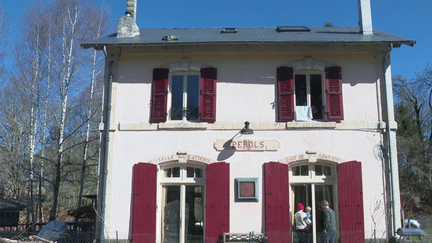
x=127, y=26
x=365, y=17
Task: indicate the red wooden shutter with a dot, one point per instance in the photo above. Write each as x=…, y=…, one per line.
x=277, y=214
x=208, y=95
x=217, y=201
x=285, y=91
x=334, y=94
x=351, y=202
x=159, y=95
x=144, y=203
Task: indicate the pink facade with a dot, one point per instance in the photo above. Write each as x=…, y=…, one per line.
x=178, y=163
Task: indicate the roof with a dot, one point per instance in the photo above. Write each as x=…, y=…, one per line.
x=9, y=204
x=316, y=35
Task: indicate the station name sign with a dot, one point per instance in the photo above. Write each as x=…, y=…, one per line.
x=247, y=144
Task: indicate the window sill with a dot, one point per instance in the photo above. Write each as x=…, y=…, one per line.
x=310, y=124
x=257, y=126
x=183, y=125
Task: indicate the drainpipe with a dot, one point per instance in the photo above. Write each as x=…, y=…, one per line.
x=390, y=135
x=104, y=153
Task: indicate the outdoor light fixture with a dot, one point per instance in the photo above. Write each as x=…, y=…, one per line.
x=246, y=130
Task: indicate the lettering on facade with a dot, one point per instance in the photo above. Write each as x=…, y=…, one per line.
x=166, y=158
x=184, y=159
x=247, y=144
x=294, y=158
x=199, y=158
x=301, y=157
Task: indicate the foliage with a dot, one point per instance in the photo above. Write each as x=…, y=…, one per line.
x=414, y=117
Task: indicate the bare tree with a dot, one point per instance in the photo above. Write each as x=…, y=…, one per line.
x=414, y=117
x=73, y=24
x=98, y=27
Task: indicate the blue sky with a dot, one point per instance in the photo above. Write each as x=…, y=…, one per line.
x=408, y=18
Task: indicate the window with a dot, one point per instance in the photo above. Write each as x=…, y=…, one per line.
x=322, y=170
x=302, y=170
x=183, y=96
x=309, y=92
x=320, y=93
x=319, y=170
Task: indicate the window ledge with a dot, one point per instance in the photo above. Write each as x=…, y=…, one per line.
x=138, y=126
x=183, y=125
x=311, y=124
x=257, y=126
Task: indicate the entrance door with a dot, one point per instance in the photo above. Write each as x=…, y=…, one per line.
x=183, y=214
x=312, y=195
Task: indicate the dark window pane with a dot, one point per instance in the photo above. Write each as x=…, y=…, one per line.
x=168, y=172
x=304, y=170
x=190, y=172
x=316, y=96
x=193, y=97
x=176, y=97
x=327, y=170
x=296, y=171
x=194, y=215
x=176, y=172
x=318, y=170
x=300, y=90
x=198, y=173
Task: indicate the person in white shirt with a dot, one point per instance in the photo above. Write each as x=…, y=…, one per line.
x=301, y=222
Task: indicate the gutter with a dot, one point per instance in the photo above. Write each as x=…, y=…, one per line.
x=391, y=128
x=104, y=154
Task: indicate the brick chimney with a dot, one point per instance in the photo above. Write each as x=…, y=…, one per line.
x=127, y=26
x=365, y=17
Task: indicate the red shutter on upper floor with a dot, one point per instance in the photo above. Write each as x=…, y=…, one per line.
x=276, y=191
x=217, y=201
x=285, y=94
x=334, y=100
x=144, y=202
x=351, y=202
x=208, y=95
x=159, y=95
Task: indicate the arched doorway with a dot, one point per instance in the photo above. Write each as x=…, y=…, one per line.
x=312, y=183
x=182, y=204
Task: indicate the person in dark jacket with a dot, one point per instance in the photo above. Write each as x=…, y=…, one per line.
x=329, y=223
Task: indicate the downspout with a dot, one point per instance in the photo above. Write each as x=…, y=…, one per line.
x=104, y=154
x=391, y=128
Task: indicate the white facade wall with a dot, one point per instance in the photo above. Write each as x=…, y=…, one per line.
x=245, y=92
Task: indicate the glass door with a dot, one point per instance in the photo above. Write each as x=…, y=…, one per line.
x=183, y=214
x=312, y=195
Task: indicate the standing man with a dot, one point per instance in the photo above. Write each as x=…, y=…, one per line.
x=329, y=223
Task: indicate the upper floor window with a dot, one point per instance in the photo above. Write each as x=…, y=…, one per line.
x=309, y=95
x=192, y=96
x=185, y=97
